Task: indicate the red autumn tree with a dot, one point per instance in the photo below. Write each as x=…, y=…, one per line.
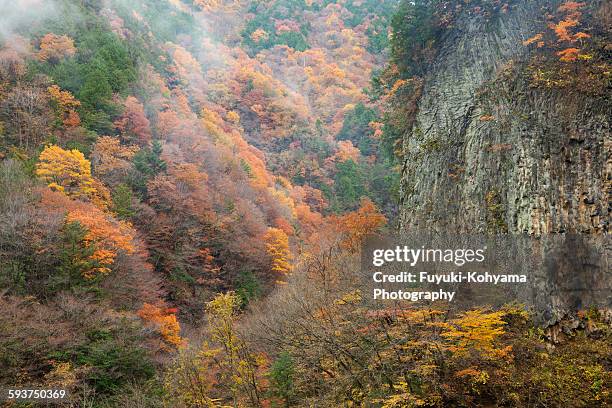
x=133, y=124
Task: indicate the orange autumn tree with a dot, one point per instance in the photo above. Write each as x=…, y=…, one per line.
x=69, y=172
x=572, y=14
x=111, y=160
x=346, y=151
x=277, y=247
x=164, y=320
x=569, y=54
x=104, y=237
x=357, y=225
x=66, y=106
x=564, y=33
x=55, y=47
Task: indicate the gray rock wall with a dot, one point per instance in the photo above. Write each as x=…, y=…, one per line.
x=488, y=153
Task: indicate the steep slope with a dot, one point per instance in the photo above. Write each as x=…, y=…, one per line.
x=491, y=150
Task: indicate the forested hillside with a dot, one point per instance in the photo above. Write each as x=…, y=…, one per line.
x=185, y=185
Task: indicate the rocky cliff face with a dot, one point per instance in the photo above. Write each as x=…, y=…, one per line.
x=488, y=153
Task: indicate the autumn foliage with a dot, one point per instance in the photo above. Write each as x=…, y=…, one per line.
x=565, y=33
x=277, y=247
x=133, y=124
x=476, y=330
x=357, y=225
x=224, y=165
x=164, y=320
x=69, y=172
x=105, y=237
x=55, y=47
x=248, y=144
x=112, y=160
x=67, y=105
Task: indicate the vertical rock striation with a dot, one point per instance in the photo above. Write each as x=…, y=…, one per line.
x=488, y=153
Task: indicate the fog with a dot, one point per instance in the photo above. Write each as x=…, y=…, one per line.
x=18, y=14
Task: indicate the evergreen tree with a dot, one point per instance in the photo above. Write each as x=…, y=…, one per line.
x=281, y=378
x=147, y=164
x=122, y=202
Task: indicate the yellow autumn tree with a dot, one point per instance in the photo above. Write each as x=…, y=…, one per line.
x=239, y=368
x=69, y=172
x=223, y=369
x=214, y=125
x=277, y=247
x=62, y=375
x=476, y=330
x=191, y=380
x=233, y=117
